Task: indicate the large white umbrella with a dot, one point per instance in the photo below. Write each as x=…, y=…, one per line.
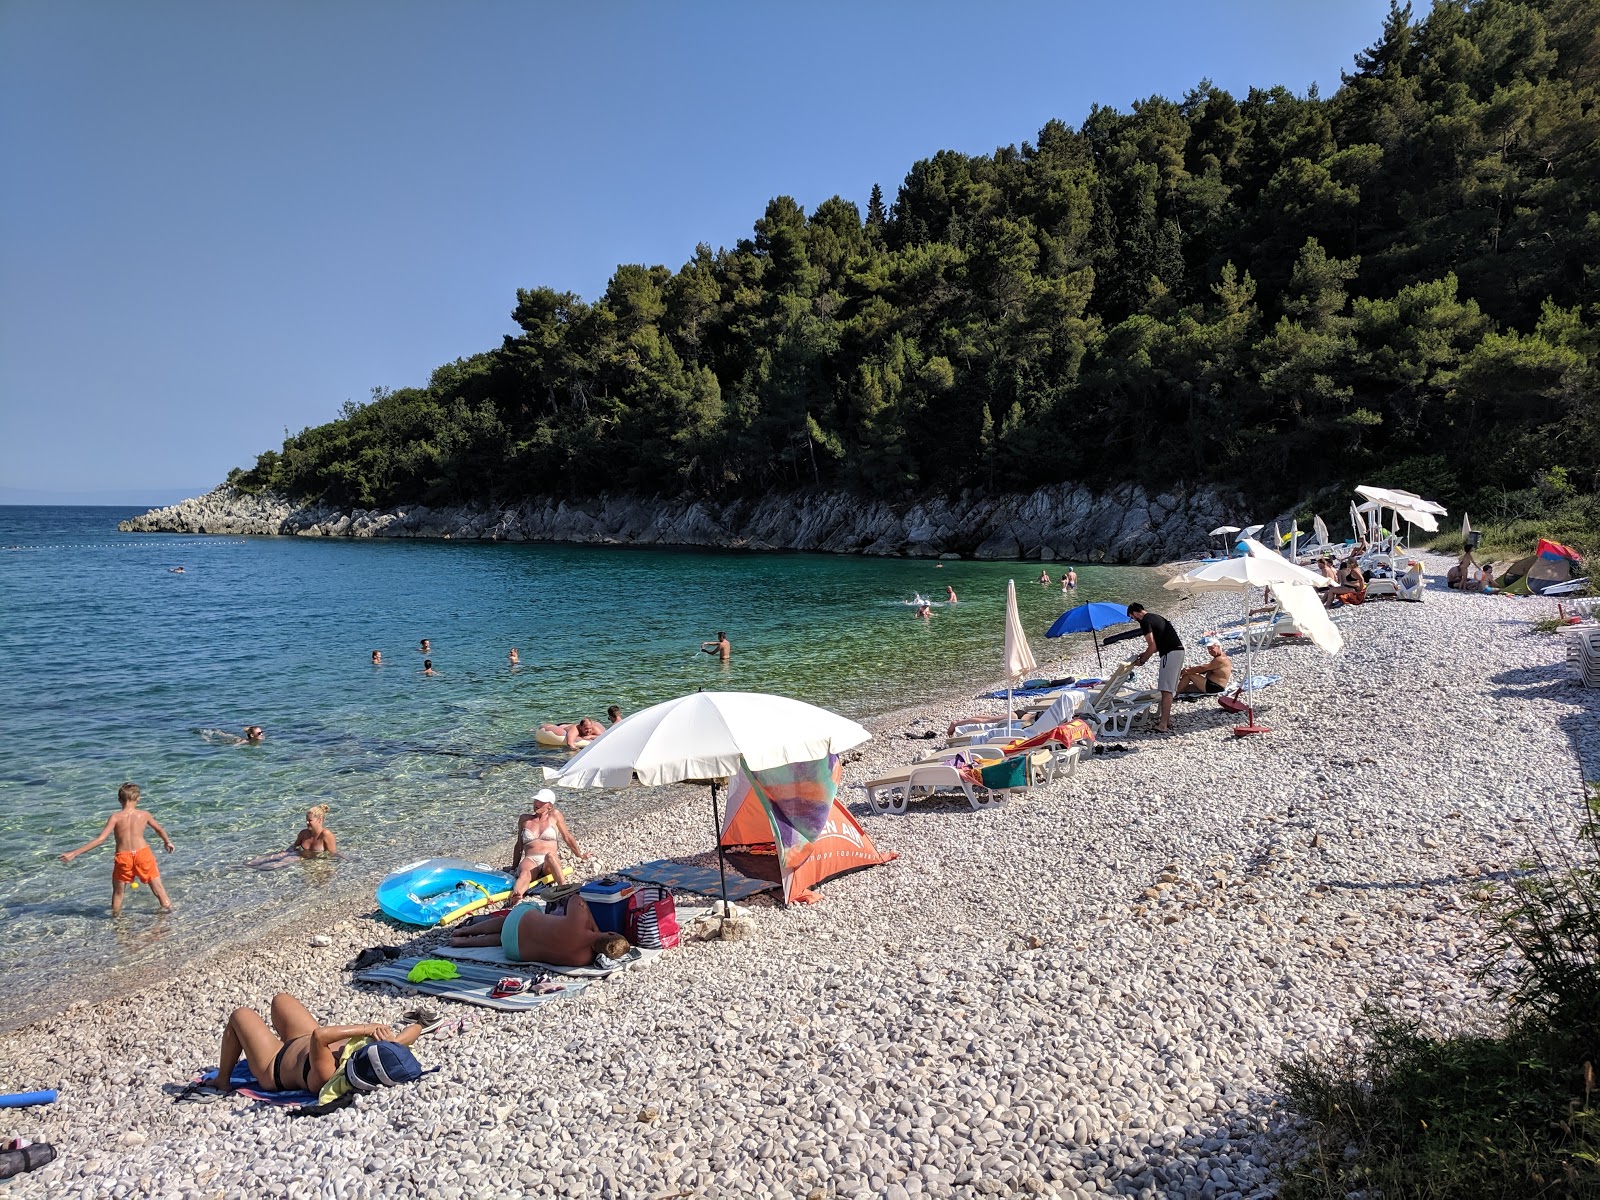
x=1222, y=529
x=1321, y=528
x=710, y=735
x=1258, y=568
x=1399, y=498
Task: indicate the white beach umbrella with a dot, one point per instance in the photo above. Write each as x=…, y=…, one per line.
x=1258, y=568
x=1222, y=529
x=1400, y=498
x=710, y=735
x=1321, y=529
x=1250, y=531
x=1294, y=541
x=1019, y=658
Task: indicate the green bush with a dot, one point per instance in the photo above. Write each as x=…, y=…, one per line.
x=1512, y=1114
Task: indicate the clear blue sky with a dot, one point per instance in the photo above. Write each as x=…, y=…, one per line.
x=222, y=219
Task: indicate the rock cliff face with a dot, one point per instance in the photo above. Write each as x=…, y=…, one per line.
x=1124, y=525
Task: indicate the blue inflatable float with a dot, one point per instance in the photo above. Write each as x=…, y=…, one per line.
x=437, y=891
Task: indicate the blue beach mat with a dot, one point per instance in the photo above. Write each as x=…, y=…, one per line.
x=474, y=983
x=703, y=881
x=246, y=1084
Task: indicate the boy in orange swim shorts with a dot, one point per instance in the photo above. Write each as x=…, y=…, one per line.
x=134, y=863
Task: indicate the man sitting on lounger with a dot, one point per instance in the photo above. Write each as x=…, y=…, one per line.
x=529, y=934
x=1211, y=676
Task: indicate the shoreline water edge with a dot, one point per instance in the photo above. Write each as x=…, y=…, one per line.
x=1083, y=992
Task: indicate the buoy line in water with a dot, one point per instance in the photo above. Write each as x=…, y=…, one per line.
x=127, y=545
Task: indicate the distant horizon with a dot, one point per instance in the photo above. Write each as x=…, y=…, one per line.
x=155, y=497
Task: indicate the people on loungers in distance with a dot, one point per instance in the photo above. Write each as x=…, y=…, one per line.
x=537, y=851
x=294, y=1053
x=1352, y=585
x=527, y=934
x=1211, y=676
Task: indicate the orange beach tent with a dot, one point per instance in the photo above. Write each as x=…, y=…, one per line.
x=793, y=811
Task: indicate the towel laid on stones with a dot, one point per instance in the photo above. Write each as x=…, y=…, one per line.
x=637, y=957
x=473, y=986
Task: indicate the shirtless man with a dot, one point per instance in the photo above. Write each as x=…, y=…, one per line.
x=427, y=667
x=513, y=657
x=950, y=594
x=1211, y=676
x=722, y=648
x=133, y=861
x=377, y=658
x=537, y=851
x=585, y=729
x=426, y=648
x=525, y=934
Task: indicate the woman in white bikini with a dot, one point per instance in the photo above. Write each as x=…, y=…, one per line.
x=537, y=851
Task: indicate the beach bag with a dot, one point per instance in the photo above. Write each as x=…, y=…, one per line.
x=652, y=920
x=1005, y=774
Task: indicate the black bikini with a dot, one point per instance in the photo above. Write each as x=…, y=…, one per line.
x=277, y=1066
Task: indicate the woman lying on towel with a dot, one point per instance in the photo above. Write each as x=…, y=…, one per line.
x=295, y=1052
x=528, y=934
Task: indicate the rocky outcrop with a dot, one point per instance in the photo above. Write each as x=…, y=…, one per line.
x=1123, y=525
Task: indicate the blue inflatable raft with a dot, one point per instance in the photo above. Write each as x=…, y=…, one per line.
x=437, y=891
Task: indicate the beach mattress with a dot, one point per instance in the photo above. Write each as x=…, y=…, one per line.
x=440, y=890
x=637, y=957
x=703, y=881
x=476, y=981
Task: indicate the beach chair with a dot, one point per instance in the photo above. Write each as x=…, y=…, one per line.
x=1061, y=710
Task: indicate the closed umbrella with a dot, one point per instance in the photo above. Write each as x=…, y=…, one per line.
x=1090, y=619
x=1019, y=658
x=1321, y=528
x=709, y=736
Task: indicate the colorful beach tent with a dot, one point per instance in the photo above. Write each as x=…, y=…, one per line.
x=1549, y=566
x=794, y=811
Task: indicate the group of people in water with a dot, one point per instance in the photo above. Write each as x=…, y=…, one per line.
x=1069, y=580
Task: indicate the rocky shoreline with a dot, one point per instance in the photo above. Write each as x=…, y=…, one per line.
x=1124, y=525
x=1086, y=992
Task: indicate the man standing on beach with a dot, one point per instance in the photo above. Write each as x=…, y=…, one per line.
x=1160, y=638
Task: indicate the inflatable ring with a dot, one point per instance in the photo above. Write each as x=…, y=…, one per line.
x=555, y=741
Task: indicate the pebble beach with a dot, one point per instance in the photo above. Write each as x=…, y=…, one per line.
x=1084, y=992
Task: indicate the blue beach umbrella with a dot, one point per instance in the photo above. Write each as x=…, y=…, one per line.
x=1089, y=618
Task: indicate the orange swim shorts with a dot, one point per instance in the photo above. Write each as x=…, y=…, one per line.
x=140, y=864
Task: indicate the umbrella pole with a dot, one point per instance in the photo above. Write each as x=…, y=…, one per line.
x=722, y=869
x=1099, y=662
x=1250, y=725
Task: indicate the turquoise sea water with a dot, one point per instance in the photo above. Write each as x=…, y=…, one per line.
x=115, y=668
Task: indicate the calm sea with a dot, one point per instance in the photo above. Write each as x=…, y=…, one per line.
x=116, y=668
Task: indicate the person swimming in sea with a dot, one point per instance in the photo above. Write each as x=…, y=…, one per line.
x=426, y=647
x=427, y=667
x=722, y=647
x=175, y=571
x=377, y=658
x=950, y=595
x=254, y=735
x=513, y=657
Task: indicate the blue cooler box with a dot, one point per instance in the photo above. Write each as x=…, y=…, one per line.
x=608, y=902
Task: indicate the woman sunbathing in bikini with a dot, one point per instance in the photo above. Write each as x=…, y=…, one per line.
x=294, y=1053
x=537, y=851
x=528, y=934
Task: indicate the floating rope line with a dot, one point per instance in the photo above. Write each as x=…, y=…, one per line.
x=125, y=545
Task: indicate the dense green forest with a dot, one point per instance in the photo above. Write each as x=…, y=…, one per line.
x=1397, y=282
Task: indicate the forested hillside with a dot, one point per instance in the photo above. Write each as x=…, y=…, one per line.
x=1282, y=292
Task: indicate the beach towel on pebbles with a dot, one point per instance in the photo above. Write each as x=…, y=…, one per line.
x=244, y=1082
x=637, y=957
x=473, y=984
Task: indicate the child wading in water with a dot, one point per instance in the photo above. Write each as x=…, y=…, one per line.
x=134, y=861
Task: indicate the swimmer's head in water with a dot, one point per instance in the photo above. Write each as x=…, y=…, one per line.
x=427, y=664
x=613, y=946
x=254, y=733
x=317, y=814
x=426, y=645
x=613, y=714
x=377, y=656
x=128, y=794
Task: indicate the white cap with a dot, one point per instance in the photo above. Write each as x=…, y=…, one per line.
x=544, y=796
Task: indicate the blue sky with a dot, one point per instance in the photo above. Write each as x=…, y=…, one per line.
x=221, y=220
